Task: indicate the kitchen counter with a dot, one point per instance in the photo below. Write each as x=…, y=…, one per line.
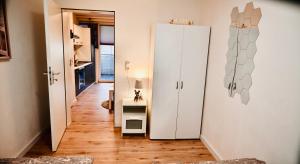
x=81, y=65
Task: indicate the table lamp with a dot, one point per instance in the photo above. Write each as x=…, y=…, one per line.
x=138, y=86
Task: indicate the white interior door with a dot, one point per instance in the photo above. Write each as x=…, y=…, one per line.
x=168, y=40
x=193, y=72
x=55, y=63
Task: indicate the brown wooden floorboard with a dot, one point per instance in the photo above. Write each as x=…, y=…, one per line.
x=92, y=133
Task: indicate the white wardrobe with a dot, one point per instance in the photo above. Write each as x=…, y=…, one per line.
x=178, y=80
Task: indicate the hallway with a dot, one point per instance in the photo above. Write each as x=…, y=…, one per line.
x=88, y=107
x=92, y=133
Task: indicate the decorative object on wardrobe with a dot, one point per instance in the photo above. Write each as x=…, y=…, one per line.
x=4, y=41
x=138, y=86
x=178, y=80
x=241, y=50
x=181, y=22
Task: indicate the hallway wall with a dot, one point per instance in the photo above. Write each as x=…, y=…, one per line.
x=133, y=22
x=24, y=109
x=268, y=127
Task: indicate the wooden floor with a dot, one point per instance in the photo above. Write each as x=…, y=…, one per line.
x=92, y=133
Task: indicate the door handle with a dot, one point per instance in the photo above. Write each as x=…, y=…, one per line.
x=177, y=85
x=181, y=85
x=47, y=73
x=53, y=74
x=57, y=73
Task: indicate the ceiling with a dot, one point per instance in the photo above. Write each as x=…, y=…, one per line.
x=99, y=17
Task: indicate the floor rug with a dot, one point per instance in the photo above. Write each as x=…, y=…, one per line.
x=48, y=159
x=105, y=104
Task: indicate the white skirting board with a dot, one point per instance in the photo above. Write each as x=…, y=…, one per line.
x=210, y=148
x=30, y=144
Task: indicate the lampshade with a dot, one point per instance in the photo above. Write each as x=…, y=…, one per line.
x=138, y=84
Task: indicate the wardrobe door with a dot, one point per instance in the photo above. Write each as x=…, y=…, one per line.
x=167, y=54
x=193, y=72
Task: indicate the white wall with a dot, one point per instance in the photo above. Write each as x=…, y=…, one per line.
x=133, y=21
x=69, y=58
x=268, y=127
x=23, y=89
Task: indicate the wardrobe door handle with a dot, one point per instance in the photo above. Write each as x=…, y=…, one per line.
x=181, y=84
x=177, y=85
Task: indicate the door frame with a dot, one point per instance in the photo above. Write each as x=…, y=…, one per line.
x=82, y=9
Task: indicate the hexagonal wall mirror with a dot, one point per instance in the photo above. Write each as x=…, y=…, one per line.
x=243, y=34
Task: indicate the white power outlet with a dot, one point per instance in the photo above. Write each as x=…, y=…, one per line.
x=127, y=65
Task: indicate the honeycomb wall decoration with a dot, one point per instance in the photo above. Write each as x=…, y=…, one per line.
x=243, y=34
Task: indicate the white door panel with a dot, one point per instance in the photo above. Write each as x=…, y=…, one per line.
x=193, y=72
x=168, y=42
x=55, y=63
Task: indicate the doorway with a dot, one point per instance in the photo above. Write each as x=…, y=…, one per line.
x=89, y=54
